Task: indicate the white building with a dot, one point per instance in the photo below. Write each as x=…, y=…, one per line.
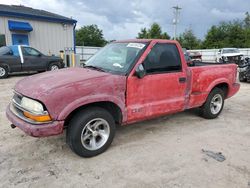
x=45, y=31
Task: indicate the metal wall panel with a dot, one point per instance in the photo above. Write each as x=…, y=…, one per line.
x=48, y=37
x=85, y=52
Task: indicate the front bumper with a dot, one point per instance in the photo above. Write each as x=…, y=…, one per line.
x=233, y=90
x=36, y=130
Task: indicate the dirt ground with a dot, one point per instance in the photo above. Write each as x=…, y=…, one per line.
x=166, y=152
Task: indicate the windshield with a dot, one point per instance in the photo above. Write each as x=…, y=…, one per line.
x=226, y=51
x=116, y=57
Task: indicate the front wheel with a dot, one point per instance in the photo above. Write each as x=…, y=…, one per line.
x=242, y=77
x=53, y=67
x=3, y=72
x=221, y=60
x=214, y=104
x=91, y=131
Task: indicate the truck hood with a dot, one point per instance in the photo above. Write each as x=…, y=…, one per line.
x=45, y=83
x=232, y=54
x=54, y=58
x=64, y=90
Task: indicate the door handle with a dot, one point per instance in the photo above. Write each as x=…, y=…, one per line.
x=182, y=79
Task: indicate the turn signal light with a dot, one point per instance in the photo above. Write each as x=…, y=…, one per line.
x=39, y=118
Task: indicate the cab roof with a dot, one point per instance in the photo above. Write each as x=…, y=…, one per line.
x=147, y=40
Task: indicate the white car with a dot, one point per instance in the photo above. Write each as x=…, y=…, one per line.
x=229, y=55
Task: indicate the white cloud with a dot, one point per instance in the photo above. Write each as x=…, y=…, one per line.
x=124, y=18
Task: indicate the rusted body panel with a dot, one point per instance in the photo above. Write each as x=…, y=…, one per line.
x=156, y=94
x=65, y=90
x=205, y=78
x=138, y=99
x=49, y=129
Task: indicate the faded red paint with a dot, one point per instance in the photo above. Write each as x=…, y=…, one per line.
x=50, y=129
x=64, y=91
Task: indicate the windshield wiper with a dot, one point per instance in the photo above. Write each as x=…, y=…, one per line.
x=94, y=67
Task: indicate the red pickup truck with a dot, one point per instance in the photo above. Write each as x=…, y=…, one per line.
x=125, y=82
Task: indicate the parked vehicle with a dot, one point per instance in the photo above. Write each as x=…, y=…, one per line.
x=191, y=60
x=19, y=58
x=244, y=71
x=186, y=55
x=195, y=56
x=229, y=55
x=125, y=82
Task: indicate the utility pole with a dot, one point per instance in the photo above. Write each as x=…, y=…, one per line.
x=176, y=19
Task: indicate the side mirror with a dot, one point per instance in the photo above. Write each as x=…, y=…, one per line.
x=140, y=71
x=39, y=55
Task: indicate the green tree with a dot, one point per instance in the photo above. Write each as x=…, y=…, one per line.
x=247, y=30
x=214, y=37
x=143, y=34
x=154, y=32
x=236, y=35
x=226, y=34
x=90, y=35
x=247, y=21
x=188, y=40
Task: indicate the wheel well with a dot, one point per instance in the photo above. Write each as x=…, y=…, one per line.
x=223, y=87
x=111, y=107
x=6, y=66
x=52, y=62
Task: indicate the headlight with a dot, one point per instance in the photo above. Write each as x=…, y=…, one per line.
x=32, y=105
x=34, y=110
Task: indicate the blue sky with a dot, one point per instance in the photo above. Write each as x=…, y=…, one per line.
x=122, y=19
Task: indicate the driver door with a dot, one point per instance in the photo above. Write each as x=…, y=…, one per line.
x=162, y=89
x=33, y=59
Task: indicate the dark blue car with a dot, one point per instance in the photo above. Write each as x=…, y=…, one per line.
x=18, y=58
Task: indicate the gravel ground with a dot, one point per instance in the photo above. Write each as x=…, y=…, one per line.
x=166, y=152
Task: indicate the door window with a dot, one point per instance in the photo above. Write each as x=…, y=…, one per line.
x=27, y=51
x=163, y=58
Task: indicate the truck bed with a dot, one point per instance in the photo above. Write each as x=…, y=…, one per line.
x=203, y=78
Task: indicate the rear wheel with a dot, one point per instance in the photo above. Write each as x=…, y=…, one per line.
x=91, y=131
x=3, y=72
x=214, y=104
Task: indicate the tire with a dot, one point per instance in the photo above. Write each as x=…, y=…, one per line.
x=4, y=72
x=241, y=77
x=210, y=110
x=82, y=134
x=53, y=66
